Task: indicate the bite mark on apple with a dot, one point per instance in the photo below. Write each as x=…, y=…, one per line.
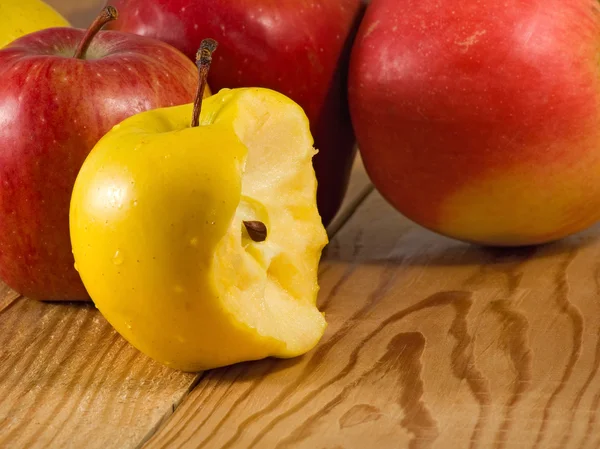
x=470, y=41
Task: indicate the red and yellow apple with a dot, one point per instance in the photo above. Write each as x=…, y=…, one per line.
x=481, y=121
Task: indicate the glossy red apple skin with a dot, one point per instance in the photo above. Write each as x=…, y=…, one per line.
x=481, y=121
x=53, y=109
x=298, y=48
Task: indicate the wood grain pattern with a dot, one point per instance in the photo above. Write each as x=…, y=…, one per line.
x=67, y=379
x=431, y=343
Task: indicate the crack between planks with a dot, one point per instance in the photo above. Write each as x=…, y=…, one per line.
x=6, y=304
x=171, y=411
x=338, y=222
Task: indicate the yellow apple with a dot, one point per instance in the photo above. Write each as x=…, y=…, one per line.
x=20, y=17
x=201, y=244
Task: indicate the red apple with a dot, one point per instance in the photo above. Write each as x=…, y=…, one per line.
x=297, y=48
x=54, y=107
x=481, y=120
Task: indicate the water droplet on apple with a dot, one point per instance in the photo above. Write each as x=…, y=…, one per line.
x=135, y=203
x=118, y=258
x=128, y=326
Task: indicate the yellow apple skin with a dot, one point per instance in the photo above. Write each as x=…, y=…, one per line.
x=20, y=17
x=156, y=228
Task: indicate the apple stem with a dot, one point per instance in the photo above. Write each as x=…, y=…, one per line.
x=203, y=60
x=108, y=14
x=257, y=230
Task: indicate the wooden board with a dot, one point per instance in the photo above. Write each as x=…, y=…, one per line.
x=431, y=343
x=67, y=379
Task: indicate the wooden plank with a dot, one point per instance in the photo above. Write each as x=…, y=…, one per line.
x=431, y=343
x=68, y=379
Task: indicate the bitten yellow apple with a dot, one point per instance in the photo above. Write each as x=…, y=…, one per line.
x=20, y=17
x=201, y=244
